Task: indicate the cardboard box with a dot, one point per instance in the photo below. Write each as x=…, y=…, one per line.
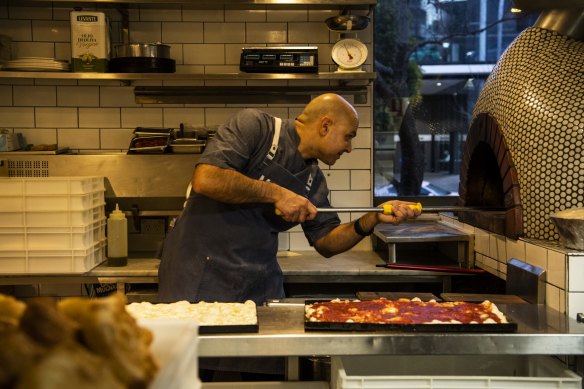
x=90, y=43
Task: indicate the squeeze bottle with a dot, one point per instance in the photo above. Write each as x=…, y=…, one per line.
x=117, y=238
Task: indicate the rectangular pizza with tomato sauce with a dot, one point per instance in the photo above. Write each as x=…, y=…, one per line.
x=404, y=314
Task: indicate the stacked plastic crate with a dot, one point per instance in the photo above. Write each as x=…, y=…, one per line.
x=51, y=224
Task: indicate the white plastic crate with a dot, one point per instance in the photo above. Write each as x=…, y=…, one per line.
x=449, y=372
x=17, y=186
x=13, y=262
x=175, y=347
x=52, y=238
x=80, y=218
x=51, y=202
x=52, y=261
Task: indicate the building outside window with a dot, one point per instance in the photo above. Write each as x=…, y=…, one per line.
x=432, y=58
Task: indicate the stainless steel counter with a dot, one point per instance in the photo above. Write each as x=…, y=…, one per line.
x=541, y=331
x=298, y=267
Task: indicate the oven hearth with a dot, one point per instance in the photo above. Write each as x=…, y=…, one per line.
x=524, y=147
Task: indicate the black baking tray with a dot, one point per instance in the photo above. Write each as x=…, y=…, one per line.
x=446, y=327
x=230, y=329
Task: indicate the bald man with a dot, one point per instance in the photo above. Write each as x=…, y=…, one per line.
x=223, y=246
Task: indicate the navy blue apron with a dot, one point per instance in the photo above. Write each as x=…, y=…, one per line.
x=227, y=253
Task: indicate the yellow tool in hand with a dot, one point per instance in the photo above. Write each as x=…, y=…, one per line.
x=387, y=209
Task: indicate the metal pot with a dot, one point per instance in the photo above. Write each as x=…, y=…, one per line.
x=142, y=50
x=142, y=58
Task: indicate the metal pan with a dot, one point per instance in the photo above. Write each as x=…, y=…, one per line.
x=135, y=50
x=228, y=329
x=445, y=327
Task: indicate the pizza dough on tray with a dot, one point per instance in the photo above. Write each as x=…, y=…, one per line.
x=206, y=314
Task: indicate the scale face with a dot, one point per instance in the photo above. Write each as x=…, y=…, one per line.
x=349, y=54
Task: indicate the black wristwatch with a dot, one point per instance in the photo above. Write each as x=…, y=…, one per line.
x=359, y=230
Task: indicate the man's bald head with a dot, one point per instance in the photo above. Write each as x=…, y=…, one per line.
x=326, y=128
x=329, y=104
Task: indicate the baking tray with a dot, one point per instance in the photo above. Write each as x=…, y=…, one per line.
x=446, y=327
x=153, y=131
x=230, y=329
x=363, y=296
x=148, y=150
x=216, y=329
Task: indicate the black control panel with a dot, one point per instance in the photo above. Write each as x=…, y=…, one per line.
x=290, y=59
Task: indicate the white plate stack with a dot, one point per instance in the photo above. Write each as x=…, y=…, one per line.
x=37, y=64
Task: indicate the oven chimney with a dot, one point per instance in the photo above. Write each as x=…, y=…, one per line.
x=524, y=147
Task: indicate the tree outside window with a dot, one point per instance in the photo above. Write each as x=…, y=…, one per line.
x=432, y=58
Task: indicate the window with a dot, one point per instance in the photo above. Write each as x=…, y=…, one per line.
x=432, y=60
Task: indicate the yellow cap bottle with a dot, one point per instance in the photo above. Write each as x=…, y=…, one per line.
x=117, y=238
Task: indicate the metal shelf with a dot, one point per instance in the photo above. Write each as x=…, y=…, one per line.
x=204, y=3
x=193, y=76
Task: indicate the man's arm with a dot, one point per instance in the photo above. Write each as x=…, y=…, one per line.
x=230, y=186
x=345, y=236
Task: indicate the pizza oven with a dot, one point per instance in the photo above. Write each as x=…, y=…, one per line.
x=523, y=152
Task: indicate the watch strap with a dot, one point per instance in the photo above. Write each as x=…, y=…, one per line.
x=359, y=230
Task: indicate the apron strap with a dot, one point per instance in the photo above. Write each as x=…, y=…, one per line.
x=275, y=139
x=270, y=156
x=189, y=189
x=272, y=153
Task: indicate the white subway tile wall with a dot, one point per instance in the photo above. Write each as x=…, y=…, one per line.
x=564, y=268
x=100, y=115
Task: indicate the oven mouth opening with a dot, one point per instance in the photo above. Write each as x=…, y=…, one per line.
x=489, y=180
x=484, y=188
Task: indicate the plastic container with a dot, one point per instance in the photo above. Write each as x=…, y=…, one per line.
x=445, y=371
x=117, y=238
x=52, y=261
x=175, y=347
x=51, y=201
x=52, y=218
x=34, y=203
x=52, y=238
x=13, y=186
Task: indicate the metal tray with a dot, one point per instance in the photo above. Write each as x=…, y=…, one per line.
x=228, y=329
x=446, y=327
x=153, y=131
x=148, y=150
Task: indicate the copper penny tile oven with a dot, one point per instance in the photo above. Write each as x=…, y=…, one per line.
x=523, y=152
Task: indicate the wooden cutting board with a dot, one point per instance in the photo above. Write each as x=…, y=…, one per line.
x=364, y=296
x=479, y=298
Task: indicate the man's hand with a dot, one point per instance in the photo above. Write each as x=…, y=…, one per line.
x=401, y=211
x=344, y=236
x=294, y=208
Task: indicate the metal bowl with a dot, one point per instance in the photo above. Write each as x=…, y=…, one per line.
x=570, y=226
x=347, y=22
